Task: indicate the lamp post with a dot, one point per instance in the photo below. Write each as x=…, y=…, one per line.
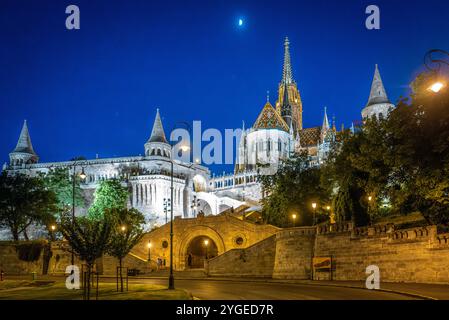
x=314, y=212
x=166, y=205
x=434, y=64
x=149, y=251
x=195, y=205
x=171, y=278
x=206, y=243
x=82, y=175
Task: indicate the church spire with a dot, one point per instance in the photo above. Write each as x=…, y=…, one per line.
x=378, y=93
x=24, y=143
x=325, y=125
x=287, y=76
x=158, y=134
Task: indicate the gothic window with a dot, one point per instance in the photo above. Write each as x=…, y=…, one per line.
x=279, y=145
x=159, y=152
x=153, y=152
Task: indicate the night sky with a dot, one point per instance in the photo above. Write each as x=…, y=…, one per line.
x=95, y=90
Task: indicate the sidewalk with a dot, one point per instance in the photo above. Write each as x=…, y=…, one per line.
x=420, y=290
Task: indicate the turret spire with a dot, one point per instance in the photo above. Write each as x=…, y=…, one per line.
x=158, y=134
x=24, y=143
x=378, y=93
x=287, y=76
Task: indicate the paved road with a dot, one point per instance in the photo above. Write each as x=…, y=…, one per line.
x=206, y=289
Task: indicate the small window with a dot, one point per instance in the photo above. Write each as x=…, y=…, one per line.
x=239, y=241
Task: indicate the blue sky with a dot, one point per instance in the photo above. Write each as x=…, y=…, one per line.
x=95, y=90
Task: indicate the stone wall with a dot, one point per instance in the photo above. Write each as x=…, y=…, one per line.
x=254, y=261
x=12, y=265
x=408, y=255
x=294, y=248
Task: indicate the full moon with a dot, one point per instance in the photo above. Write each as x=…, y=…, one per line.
x=240, y=22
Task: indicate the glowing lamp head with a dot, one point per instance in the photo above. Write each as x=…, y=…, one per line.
x=123, y=228
x=185, y=148
x=294, y=216
x=436, y=87
x=149, y=244
x=206, y=242
x=328, y=208
x=82, y=174
x=53, y=228
x=314, y=205
x=370, y=198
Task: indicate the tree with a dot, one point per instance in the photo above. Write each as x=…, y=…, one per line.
x=59, y=180
x=127, y=231
x=24, y=201
x=291, y=190
x=89, y=240
x=110, y=194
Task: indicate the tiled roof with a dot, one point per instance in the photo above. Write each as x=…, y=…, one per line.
x=309, y=136
x=269, y=118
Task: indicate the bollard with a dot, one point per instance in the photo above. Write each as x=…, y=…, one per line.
x=34, y=275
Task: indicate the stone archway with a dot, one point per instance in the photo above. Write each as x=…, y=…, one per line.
x=199, y=250
x=200, y=232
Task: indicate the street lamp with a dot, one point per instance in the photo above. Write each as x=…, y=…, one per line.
x=370, y=198
x=206, y=243
x=149, y=250
x=294, y=219
x=82, y=175
x=436, y=87
x=184, y=148
x=434, y=64
x=166, y=206
x=195, y=205
x=314, y=212
x=123, y=228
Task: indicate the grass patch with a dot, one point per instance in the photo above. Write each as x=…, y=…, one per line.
x=29, y=290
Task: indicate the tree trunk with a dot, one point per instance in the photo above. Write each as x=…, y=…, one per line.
x=87, y=287
x=121, y=275
x=25, y=234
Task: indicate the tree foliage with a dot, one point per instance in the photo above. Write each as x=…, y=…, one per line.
x=292, y=190
x=25, y=201
x=127, y=231
x=110, y=194
x=89, y=240
x=59, y=180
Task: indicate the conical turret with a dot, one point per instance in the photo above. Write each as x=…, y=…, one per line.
x=378, y=103
x=158, y=134
x=157, y=144
x=24, y=152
